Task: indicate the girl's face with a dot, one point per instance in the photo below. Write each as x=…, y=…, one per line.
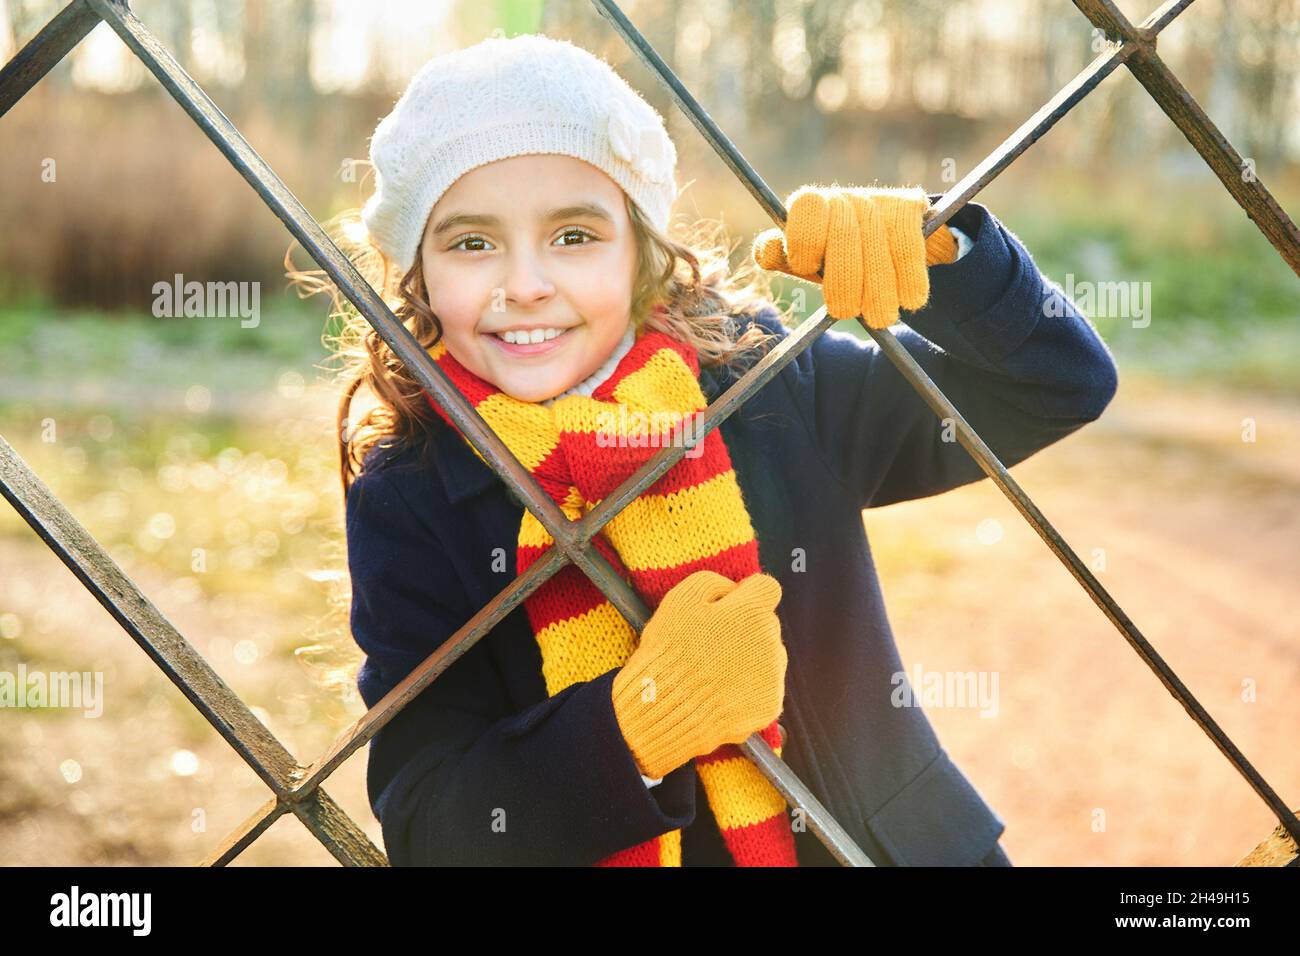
x=530, y=244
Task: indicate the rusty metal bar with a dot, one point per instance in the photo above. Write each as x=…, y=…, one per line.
x=933, y=396
x=451, y=650
x=1029, y=133
x=174, y=656
x=1162, y=16
x=1181, y=107
x=44, y=51
x=318, y=812
x=242, y=837
x=756, y=748
x=337, y=831
x=1100, y=596
x=178, y=660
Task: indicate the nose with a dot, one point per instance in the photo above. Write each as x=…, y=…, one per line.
x=526, y=282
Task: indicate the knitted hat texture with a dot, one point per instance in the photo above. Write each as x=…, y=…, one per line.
x=506, y=97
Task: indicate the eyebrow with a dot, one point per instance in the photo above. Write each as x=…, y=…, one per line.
x=589, y=210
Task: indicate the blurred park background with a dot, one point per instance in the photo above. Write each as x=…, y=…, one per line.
x=167, y=435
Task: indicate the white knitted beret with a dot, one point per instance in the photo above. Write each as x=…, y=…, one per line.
x=507, y=97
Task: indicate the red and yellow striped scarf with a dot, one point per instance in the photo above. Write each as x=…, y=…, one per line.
x=580, y=449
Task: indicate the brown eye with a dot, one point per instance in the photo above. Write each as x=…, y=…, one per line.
x=462, y=242
x=576, y=232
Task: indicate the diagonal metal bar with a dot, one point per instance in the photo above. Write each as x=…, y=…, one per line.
x=803, y=336
x=174, y=656
x=902, y=359
x=146, y=625
x=1163, y=15
x=1029, y=133
x=451, y=650
x=326, y=821
x=242, y=837
x=337, y=831
x=44, y=51
x=106, y=581
x=994, y=468
x=1237, y=176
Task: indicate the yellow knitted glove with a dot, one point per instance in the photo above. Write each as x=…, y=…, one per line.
x=867, y=244
x=709, y=670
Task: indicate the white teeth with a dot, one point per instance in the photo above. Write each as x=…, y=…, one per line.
x=525, y=337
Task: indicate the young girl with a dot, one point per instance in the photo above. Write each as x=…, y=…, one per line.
x=520, y=224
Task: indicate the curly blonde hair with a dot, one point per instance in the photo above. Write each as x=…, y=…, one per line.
x=690, y=277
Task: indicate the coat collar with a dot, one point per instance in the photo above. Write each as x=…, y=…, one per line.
x=465, y=475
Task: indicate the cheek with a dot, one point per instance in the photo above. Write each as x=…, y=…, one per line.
x=610, y=296
x=602, y=301
x=456, y=307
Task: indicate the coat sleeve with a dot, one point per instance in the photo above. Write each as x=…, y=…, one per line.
x=1014, y=355
x=458, y=776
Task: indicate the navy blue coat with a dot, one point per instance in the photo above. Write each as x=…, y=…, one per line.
x=484, y=768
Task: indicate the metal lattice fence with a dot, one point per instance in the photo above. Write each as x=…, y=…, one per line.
x=299, y=789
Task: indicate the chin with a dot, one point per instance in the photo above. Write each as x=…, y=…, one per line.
x=534, y=394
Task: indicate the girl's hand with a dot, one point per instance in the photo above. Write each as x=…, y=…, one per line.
x=867, y=245
x=709, y=670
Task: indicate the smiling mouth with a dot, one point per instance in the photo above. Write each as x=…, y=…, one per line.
x=530, y=348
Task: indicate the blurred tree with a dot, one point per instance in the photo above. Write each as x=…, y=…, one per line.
x=277, y=53
x=854, y=90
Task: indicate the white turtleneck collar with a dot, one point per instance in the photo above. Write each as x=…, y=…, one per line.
x=592, y=381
